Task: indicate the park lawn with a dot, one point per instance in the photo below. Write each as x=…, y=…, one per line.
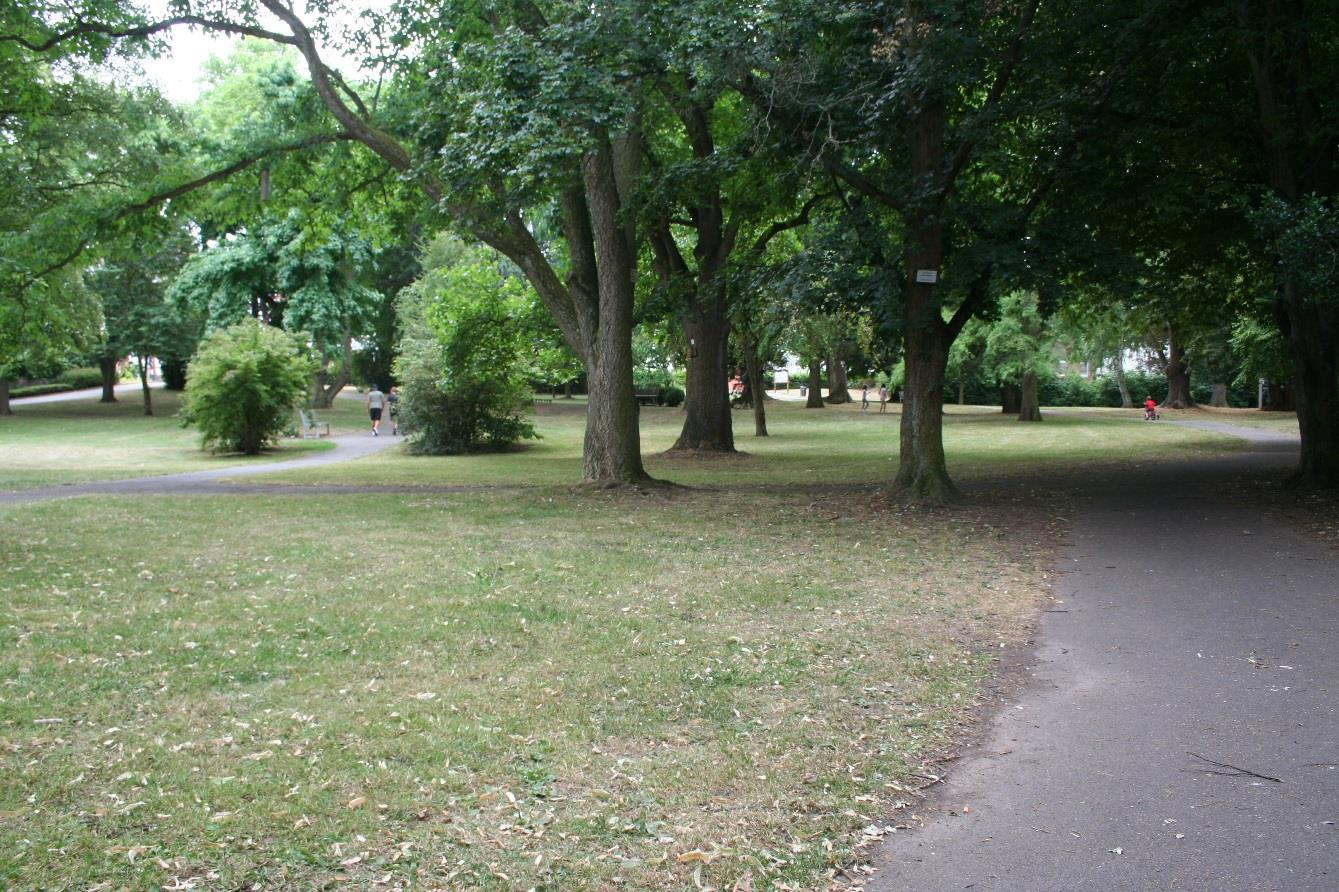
x=79, y=441
x=837, y=444
x=566, y=689
x=1279, y=422
x=734, y=684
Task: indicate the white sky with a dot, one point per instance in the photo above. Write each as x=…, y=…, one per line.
x=178, y=73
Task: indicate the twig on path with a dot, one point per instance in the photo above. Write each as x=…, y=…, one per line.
x=930, y=781
x=1238, y=772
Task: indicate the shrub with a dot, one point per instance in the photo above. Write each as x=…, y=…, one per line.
x=671, y=396
x=39, y=390
x=462, y=419
x=79, y=378
x=464, y=364
x=243, y=385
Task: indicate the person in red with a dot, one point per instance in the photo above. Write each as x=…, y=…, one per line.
x=1150, y=409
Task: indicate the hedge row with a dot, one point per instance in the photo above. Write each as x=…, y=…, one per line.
x=39, y=390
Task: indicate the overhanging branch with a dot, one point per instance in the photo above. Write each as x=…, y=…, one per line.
x=100, y=29
x=182, y=189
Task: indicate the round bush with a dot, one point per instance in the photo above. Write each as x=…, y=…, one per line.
x=243, y=385
x=671, y=396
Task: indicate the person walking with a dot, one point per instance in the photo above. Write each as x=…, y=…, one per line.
x=864, y=397
x=883, y=398
x=376, y=402
x=393, y=403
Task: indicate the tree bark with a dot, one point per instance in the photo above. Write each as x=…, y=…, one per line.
x=1312, y=336
x=142, y=365
x=1299, y=155
x=1030, y=407
x=757, y=390
x=1011, y=399
x=107, y=365
x=1178, y=377
x=4, y=397
x=612, y=450
x=1125, y=401
x=922, y=472
x=1219, y=397
x=1278, y=397
x=962, y=392
x=815, y=397
x=838, y=390
x=707, y=424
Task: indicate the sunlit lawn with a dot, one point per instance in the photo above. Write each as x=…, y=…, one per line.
x=45, y=444
x=731, y=685
x=836, y=444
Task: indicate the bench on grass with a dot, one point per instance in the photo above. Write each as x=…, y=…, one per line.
x=649, y=396
x=312, y=429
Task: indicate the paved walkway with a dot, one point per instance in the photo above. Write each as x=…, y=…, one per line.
x=1179, y=728
x=129, y=390
x=347, y=448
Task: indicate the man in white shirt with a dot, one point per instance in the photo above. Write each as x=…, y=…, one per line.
x=376, y=401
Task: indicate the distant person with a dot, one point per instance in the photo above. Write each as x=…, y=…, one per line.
x=376, y=401
x=883, y=399
x=393, y=404
x=1150, y=409
x=864, y=397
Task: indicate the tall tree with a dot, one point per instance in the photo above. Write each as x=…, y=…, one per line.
x=1292, y=58
x=968, y=114
x=286, y=276
x=131, y=283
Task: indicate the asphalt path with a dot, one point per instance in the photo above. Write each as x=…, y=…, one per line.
x=347, y=448
x=1178, y=727
x=65, y=396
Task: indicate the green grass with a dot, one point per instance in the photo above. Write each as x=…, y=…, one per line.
x=550, y=688
x=837, y=444
x=48, y=444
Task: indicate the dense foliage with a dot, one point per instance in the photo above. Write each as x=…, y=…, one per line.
x=465, y=364
x=244, y=385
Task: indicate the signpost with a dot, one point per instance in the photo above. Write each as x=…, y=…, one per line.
x=927, y=276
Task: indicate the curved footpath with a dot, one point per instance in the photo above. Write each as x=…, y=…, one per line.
x=347, y=447
x=1179, y=726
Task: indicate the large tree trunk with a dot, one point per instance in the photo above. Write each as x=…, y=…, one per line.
x=1125, y=401
x=922, y=472
x=1178, y=377
x=707, y=424
x=757, y=390
x=815, y=397
x=1218, y=399
x=4, y=397
x=1030, y=408
x=1312, y=336
x=324, y=387
x=1011, y=399
x=1299, y=159
x=838, y=390
x=962, y=392
x=612, y=450
x=107, y=366
x=1278, y=397
x=142, y=364
x=592, y=305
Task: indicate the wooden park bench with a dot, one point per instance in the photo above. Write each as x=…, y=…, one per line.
x=649, y=396
x=312, y=429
